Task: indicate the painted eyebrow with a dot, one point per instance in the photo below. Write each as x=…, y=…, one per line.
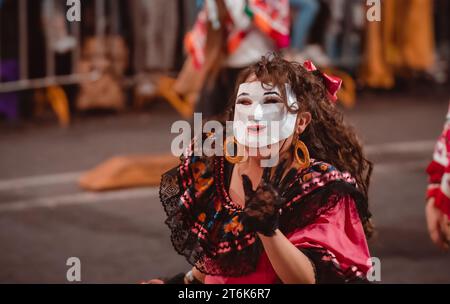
x=271, y=93
x=243, y=94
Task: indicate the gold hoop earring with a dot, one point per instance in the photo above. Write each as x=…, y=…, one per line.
x=233, y=159
x=305, y=162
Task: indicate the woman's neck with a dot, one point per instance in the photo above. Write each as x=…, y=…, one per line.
x=253, y=164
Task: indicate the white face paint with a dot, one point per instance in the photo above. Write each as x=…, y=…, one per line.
x=260, y=116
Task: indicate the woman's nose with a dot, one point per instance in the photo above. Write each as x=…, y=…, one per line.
x=258, y=115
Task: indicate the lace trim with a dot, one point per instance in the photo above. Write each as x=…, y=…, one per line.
x=328, y=269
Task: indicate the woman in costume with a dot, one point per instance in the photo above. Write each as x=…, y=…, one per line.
x=304, y=220
x=228, y=36
x=437, y=210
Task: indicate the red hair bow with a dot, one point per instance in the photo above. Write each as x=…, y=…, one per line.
x=332, y=83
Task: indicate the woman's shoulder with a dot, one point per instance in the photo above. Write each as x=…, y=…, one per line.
x=315, y=190
x=318, y=175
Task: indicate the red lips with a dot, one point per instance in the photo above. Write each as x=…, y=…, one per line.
x=255, y=129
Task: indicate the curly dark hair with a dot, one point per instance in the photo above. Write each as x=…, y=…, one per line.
x=327, y=136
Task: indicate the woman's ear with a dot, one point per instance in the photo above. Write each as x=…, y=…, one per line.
x=303, y=120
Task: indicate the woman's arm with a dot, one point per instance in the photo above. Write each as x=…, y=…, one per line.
x=289, y=263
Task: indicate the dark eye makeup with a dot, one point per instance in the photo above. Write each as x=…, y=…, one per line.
x=269, y=100
x=244, y=101
x=272, y=100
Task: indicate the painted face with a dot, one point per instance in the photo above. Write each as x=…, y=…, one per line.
x=260, y=116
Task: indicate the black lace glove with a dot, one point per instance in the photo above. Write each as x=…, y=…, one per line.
x=262, y=206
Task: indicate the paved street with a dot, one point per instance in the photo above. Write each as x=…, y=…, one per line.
x=120, y=236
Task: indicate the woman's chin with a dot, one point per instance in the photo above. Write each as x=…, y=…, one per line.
x=264, y=152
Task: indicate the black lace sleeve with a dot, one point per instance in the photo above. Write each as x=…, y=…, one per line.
x=179, y=219
x=308, y=208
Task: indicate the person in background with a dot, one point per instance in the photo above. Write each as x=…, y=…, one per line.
x=228, y=36
x=437, y=210
x=307, y=11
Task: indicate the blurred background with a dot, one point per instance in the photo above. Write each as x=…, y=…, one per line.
x=89, y=91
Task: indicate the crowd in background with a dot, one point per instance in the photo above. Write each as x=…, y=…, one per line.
x=190, y=52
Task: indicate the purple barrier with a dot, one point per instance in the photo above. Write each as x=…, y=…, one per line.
x=9, y=102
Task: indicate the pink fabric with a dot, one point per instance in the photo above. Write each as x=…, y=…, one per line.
x=339, y=230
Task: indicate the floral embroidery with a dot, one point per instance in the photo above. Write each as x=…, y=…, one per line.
x=234, y=226
x=201, y=217
x=202, y=179
x=217, y=205
x=307, y=177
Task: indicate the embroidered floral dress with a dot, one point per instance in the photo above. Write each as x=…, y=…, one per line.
x=320, y=218
x=439, y=171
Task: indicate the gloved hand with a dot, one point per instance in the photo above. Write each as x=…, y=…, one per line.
x=262, y=206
